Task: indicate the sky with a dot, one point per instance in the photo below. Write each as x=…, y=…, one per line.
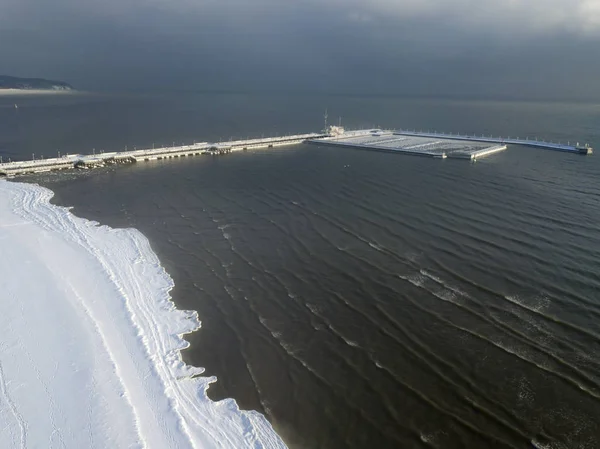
x=546, y=49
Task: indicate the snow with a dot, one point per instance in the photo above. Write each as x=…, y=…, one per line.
x=54, y=91
x=90, y=341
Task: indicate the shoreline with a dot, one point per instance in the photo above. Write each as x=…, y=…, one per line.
x=17, y=92
x=100, y=321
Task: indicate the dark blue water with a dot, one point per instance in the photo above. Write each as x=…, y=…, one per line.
x=363, y=299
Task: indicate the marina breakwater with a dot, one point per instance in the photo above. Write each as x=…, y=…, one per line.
x=437, y=145
x=535, y=143
x=397, y=141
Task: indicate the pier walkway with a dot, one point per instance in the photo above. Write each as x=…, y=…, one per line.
x=70, y=161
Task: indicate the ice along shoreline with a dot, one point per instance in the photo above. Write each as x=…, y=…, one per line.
x=90, y=341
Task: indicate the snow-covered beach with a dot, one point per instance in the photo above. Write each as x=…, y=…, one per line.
x=17, y=92
x=90, y=341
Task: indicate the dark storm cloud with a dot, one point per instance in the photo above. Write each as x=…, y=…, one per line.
x=535, y=48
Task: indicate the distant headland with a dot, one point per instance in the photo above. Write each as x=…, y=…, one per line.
x=13, y=84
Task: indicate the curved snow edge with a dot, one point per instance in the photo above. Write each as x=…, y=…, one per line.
x=184, y=416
